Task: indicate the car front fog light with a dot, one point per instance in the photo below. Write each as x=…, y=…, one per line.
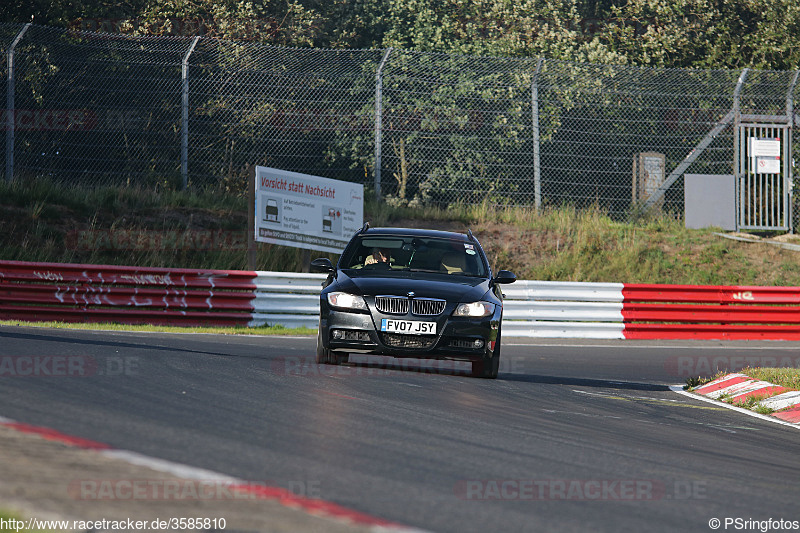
x=478, y=343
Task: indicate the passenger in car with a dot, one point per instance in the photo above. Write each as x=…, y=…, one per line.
x=454, y=263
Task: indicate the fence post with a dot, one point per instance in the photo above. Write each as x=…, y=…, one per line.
x=737, y=157
x=11, y=121
x=790, y=98
x=737, y=98
x=731, y=116
x=790, y=117
x=185, y=114
x=537, y=169
x=378, y=122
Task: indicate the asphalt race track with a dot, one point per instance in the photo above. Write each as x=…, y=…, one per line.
x=573, y=436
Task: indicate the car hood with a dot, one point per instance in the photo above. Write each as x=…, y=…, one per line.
x=423, y=284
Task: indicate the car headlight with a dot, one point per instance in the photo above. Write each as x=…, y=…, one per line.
x=474, y=309
x=345, y=300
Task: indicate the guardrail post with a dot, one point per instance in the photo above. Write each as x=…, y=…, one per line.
x=11, y=121
x=185, y=114
x=379, y=122
x=537, y=169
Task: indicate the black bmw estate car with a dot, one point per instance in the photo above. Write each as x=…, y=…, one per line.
x=412, y=293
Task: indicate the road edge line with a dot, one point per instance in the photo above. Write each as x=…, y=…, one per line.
x=679, y=390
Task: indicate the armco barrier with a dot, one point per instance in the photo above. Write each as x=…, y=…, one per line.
x=289, y=299
x=93, y=293
x=129, y=295
x=563, y=310
x=711, y=312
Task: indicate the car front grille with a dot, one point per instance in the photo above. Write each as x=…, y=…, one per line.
x=398, y=305
x=392, y=305
x=427, y=306
x=418, y=342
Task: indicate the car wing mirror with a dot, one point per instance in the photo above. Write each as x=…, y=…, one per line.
x=504, y=276
x=323, y=264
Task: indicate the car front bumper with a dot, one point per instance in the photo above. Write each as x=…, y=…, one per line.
x=455, y=338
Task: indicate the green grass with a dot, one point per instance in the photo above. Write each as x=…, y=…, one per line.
x=696, y=382
x=198, y=228
x=760, y=409
x=751, y=402
x=566, y=244
x=784, y=377
x=205, y=228
x=262, y=330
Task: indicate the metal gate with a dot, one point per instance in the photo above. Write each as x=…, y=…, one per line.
x=764, y=183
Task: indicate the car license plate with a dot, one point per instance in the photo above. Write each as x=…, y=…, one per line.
x=409, y=327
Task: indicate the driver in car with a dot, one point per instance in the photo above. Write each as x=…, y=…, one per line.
x=379, y=255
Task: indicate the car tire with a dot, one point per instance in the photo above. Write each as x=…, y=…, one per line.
x=326, y=356
x=323, y=354
x=488, y=368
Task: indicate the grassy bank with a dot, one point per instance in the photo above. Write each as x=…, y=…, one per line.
x=785, y=377
x=43, y=221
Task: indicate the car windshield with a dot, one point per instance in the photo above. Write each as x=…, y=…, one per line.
x=424, y=254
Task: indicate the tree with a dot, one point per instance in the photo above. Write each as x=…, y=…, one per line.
x=59, y=13
x=522, y=28
x=709, y=33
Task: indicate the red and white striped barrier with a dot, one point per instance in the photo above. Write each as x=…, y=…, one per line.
x=187, y=297
x=738, y=388
x=128, y=295
x=162, y=296
x=711, y=312
x=648, y=311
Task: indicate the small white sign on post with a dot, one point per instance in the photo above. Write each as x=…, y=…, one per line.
x=305, y=211
x=765, y=147
x=768, y=165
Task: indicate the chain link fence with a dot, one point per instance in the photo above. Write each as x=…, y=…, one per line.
x=418, y=128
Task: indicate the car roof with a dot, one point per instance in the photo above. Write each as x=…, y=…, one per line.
x=417, y=232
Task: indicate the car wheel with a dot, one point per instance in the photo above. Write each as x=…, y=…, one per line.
x=325, y=356
x=488, y=368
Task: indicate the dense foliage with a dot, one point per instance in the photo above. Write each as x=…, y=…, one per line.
x=658, y=33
